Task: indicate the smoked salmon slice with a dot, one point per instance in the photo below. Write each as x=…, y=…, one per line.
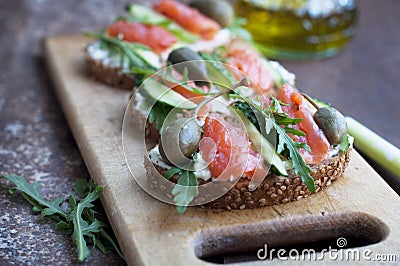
x=188, y=17
x=300, y=108
x=229, y=152
x=250, y=63
x=155, y=37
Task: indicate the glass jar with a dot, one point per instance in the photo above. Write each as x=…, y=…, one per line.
x=299, y=29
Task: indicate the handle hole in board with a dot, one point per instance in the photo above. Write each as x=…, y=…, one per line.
x=239, y=243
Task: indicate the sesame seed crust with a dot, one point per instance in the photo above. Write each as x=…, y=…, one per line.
x=273, y=190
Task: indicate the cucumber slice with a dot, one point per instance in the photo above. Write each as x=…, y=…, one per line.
x=263, y=146
x=162, y=93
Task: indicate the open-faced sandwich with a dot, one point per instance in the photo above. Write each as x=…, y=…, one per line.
x=266, y=142
x=142, y=40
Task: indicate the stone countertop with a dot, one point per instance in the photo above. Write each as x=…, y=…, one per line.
x=35, y=140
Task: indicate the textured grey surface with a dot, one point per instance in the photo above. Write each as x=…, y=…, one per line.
x=35, y=140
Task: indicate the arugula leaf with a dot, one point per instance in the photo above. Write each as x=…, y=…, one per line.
x=125, y=49
x=263, y=123
x=82, y=187
x=110, y=244
x=32, y=195
x=299, y=165
x=158, y=114
x=280, y=116
x=285, y=142
x=171, y=172
x=82, y=227
x=79, y=221
x=64, y=227
x=185, y=190
x=293, y=131
x=346, y=143
x=276, y=105
x=285, y=120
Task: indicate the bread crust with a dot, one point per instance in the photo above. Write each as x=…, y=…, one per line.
x=110, y=75
x=273, y=190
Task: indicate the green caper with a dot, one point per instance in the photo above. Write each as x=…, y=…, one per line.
x=179, y=140
x=219, y=10
x=332, y=123
x=195, y=65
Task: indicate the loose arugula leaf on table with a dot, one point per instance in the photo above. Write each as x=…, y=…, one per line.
x=83, y=187
x=79, y=220
x=81, y=227
x=32, y=194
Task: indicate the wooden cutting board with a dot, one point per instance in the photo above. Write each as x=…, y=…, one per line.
x=360, y=206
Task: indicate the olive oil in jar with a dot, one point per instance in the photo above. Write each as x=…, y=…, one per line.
x=299, y=29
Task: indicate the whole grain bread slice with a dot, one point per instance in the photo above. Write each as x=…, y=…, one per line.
x=108, y=74
x=273, y=190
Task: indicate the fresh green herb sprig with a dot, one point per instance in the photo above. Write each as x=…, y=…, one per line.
x=158, y=114
x=346, y=143
x=283, y=119
x=185, y=190
x=126, y=51
x=79, y=220
x=285, y=142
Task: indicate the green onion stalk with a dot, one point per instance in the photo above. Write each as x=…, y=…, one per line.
x=374, y=146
